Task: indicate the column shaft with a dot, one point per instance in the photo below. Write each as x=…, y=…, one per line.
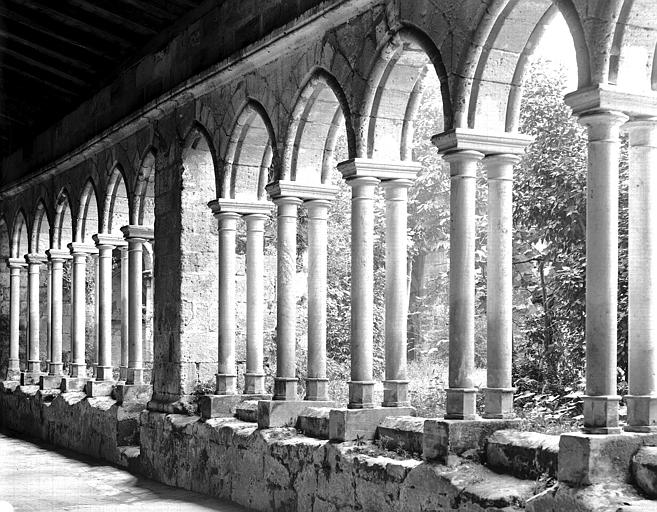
x=227, y=369
x=285, y=383
x=601, y=402
x=361, y=385
x=97, y=310
x=34, y=266
x=254, y=382
x=499, y=296
x=56, y=365
x=48, y=314
x=136, y=328
x=395, y=386
x=104, y=368
x=15, y=267
x=79, y=316
x=316, y=382
x=461, y=395
x=125, y=315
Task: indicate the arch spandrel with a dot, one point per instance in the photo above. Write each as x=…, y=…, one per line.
x=5, y=244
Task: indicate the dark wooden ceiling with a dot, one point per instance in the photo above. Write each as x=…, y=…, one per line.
x=56, y=53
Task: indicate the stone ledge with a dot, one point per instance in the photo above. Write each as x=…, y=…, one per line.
x=218, y=406
x=445, y=440
x=526, y=455
x=361, y=424
x=403, y=432
x=284, y=413
x=132, y=394
x=314, y=422
x=247, y=411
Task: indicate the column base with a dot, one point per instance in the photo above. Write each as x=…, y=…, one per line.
x=285, y=413
x=395, y=393
x=56, y=369
x=226, y=384
x=13, y=375
x=254, y=384
x=135, y=377
x=601, y=414
x=224, y=406
x=79, y=371
x=97, y=388
x=498, y=403
x=30, y=378
x=132, y=393
x=50, y=382
x=123, y=373
x=71, y=384
x=285, y=388
x=361, y=424
x=105, y=373
x=461, y=404
x=316, y=389
x=641, y=413
x=34, y=366
x=361, y=394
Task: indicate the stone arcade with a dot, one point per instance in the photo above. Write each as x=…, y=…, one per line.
x=230, y=113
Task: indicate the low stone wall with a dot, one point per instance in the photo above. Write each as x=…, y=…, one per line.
x=94, y=426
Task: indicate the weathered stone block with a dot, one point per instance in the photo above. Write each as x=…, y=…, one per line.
x=96, y=388
x=247, y=411
x=523, y=454
x=218, y=406
x=132, y=394
x=30, y=378
x=8, y=386
x=50, y=381
x=644, y=470
x=641, y=413
x=284, y=413
x=585, y=459
x=403, y=432
x=361, y=424
x=69, y=384
x=314, y=422
x=445, y=439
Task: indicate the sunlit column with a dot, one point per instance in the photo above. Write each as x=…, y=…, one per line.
x=395, y=385
x=317, y=381
x=34, y=262
x=254, y=380
x=125, y=315
x=642, y=315
x=499, y=298
x=96, y=310
x=79, y=310
x=15, y=267
x=57, y=258
x=48, y=313
x=148, y=328
x=601, y=400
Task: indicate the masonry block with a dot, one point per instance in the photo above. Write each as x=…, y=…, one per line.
x=132, y=393
x=284, y=413
x=70, y=384
x=526, y=455
x=585, y=459
x=221, y=406
x=445, y=440
x=644, y=470
x=96, y=388
x=403, y=432
x=247, y=411
x=30, y=378
x=361, y=424
x=9, y=385
x=314, y=422
x=50, y=381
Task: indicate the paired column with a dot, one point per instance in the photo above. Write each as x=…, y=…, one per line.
x=642, y=316
x=57, y=258
x=125, y=315
x=34, y=262
x=79, y=252
x=15, y=267
x=499, y=293
x=105, y=245
x=49, y=312
x=135, y=236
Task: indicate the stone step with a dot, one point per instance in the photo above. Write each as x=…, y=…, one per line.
x=526, y=455
x=128, y=457
x=314, y=422
x=247, y=411
x=401, y=433
x=644, y=470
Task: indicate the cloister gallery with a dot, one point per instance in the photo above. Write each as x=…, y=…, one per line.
x=119, y=222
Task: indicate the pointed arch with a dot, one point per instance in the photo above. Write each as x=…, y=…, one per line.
x=116, y=212
x=250, y=153
x=88, y=218
x=40, y=239
x=320, y=113
x=394, y=90
x=143, y=208
x=19, y=236
x=62, y=230
x=5, y=244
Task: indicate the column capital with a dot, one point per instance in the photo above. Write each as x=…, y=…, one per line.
x=58, y=255
x=106, y=239
x=642, y=131
x=380, y=169
x=602, y=122
x=137, y=231
x=304, y=191
x=16, y=263
x=78, y=248
x=35, y=259
x=397, y=184
x=605, y=97
x=222, y=205
x=500, y=167
x=487, y=143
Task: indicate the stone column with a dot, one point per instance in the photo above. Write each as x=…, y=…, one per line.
x=125, y=315
x=601, y=400
x=135, y=236
x=57, y=258
x=34, y=262
x=48, y=313
x=147, y=280
x=361, y=386
x=97, y=310
x=461, y=395
x=642, y=316
x=15, y=267
x=105, y=244
x=79, y=309
x=285, y=382
x=254, y=380
x=317, y=382
x=499, y=296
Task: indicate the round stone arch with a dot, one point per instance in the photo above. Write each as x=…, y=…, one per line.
x=40, y=240
x=251, y=154
x=393, y=91
x=116, y=210
x=63, y=228
x=321, y=109
x=143, y=208
x=88, y=221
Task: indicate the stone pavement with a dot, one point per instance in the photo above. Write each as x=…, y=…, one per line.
x=36, y=477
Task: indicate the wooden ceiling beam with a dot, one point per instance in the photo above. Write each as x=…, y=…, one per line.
x=152, y=9
x=40, y=79
x=47, y=68
x=114, y=18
